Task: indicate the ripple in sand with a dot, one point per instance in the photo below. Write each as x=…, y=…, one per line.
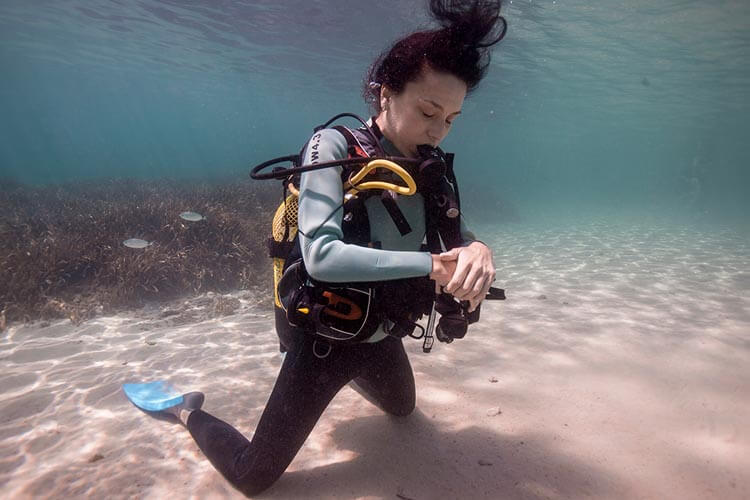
x=9, y=383
x=8, y=465
x=25, y=406
x=43, y=443
x=12, y=430
x=57, y=351
x=104, y=396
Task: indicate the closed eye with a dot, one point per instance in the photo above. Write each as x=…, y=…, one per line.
x=449, y=122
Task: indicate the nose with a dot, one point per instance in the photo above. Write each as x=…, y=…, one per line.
x=437, y=133
x=435, y=137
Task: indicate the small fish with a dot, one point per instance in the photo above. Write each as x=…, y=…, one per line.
x=136, y=243
x=191, y=216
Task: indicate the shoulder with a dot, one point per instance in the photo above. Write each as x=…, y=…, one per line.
x=325, y=145
x=328, y=137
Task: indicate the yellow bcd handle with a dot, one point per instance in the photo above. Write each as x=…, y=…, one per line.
x=409, y=189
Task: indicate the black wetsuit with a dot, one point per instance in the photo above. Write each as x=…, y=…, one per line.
x=306, y=383
x=305, y=386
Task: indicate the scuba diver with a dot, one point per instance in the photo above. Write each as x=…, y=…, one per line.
x=370, y=240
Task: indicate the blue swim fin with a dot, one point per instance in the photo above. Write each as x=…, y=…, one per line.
x=153, y=396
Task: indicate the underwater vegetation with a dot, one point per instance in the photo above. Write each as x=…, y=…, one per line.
x=62, y=251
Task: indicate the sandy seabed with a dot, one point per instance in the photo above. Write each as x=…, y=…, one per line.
x=619, y=367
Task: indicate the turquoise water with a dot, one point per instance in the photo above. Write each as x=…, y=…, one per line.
x=605, y=160
x=588, y=108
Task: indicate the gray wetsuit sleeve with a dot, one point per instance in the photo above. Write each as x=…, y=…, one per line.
x=467, y=236
x=326, y=256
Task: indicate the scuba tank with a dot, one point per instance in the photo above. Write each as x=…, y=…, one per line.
x=283, y=235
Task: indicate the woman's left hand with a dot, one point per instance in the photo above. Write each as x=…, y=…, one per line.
x=475, y=272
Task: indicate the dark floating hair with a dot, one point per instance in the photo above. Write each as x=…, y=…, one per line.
x=471, y=23
x=459, y=47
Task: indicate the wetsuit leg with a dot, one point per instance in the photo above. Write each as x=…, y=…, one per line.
x=304, y=388
x=387, y=380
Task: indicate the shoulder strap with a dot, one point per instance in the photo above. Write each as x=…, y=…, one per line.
x=443, y=230
x=450, y=228
x=356, y=142
x=360, y=144
x=452, y=177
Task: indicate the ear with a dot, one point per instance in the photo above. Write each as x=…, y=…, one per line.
x=385, y=95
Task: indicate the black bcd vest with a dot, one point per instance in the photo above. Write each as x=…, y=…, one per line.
x=402, y=302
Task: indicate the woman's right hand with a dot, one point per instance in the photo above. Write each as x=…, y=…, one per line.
x=442, y=270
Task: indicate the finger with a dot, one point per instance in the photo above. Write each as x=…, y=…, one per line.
x=491, y=275
x=478, y=293
x=473, y=304
x=475, y=294
x=450, y=255
x=488, y=277
x=478, y=299
x=466, y=290
x=459, y=275
x=487, y=287
x=480, y=285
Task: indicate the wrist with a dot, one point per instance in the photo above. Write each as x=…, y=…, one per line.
x=438, y=267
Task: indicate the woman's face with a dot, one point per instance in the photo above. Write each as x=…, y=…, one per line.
x=423, y=112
